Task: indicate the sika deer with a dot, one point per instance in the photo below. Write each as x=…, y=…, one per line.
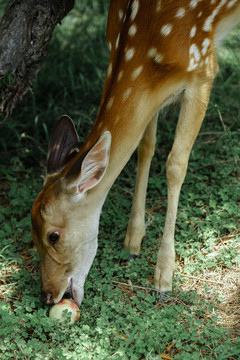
x=158, y=50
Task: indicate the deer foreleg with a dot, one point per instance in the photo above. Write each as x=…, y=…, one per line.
x=136, y=225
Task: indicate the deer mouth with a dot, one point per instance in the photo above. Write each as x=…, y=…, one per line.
x=68, y=292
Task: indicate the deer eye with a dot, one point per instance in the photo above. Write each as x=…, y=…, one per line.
x=53, y=237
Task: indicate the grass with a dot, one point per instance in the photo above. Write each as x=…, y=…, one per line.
x=119, y=316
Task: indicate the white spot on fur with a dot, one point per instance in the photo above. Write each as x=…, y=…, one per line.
x=135, y=6
x=126, y=94
x=193, y=3
x=117, y=41
x=137, y=72
x=195, y=52
x=110, y=46
x=110, y=103
x=207, y=26
x=132, y=30
x=215, y=11
x=192, y=65
x=152, y=53
x=166, y=29
x=158, y=58
x=158, y=7
x=206, y=61
x=180, y=13
x=109, y=71
x=231, y=3
x=200, y=14
x=193, y=31
x=205, y=45
x=120, y=75
x=194, y=56
x=120, y=14
x=222, y=2
x=129, y=54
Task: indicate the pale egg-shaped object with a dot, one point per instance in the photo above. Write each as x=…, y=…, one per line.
x=56, y=311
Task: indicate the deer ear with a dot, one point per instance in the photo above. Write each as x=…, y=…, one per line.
x=88, y=172
x=62, y=140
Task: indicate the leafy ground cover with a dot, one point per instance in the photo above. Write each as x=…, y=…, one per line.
x=120, y=318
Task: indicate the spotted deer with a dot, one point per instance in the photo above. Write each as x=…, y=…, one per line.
x=159, y=51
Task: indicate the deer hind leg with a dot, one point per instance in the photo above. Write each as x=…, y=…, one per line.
x=136, y=225
x=193, y=108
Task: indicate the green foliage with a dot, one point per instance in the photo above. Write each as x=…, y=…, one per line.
x=117, y=322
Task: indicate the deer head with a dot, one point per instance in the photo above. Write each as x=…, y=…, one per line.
x=64, y=220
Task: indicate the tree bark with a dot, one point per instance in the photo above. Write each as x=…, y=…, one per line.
x=25, y=32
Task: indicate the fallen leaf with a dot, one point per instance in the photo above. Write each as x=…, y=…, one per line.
x=166, y=357
x=123, y=336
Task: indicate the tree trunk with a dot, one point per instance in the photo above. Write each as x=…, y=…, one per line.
x=25, y=31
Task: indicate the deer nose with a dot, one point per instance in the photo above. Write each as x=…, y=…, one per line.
x=46, y=298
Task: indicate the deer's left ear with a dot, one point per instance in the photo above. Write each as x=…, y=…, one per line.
x=87, y=173
x=62, y=140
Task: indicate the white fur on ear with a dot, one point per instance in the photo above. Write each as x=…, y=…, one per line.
x=93, y=166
